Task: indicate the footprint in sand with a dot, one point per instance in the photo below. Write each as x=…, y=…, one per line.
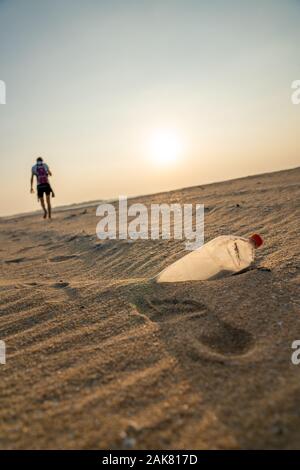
x=71, y=292
x=59, y=259
x=15, y=260
x=172, y=310
x=198, y=326
x=60, y=285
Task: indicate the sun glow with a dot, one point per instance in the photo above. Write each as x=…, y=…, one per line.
x=165, y=147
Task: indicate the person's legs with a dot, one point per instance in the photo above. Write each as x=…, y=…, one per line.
x=48, y=205
x=43, y=206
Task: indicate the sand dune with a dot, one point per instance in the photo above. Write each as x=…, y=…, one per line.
x=100, y=356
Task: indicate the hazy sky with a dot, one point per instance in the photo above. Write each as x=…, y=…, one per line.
x=89, y=82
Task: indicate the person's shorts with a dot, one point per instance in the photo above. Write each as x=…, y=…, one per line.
x=43, y=189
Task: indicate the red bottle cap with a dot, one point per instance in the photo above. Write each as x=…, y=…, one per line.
x=257, y=239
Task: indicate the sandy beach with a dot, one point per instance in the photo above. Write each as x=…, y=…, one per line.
x=100, y=356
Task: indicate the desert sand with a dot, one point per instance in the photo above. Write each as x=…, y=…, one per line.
x=100, y=356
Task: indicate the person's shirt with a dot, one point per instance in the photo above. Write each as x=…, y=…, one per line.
x=41, y=171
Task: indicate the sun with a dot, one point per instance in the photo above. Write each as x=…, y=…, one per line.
x=165, y=146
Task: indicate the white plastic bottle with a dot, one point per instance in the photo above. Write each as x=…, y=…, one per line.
x=223, y=255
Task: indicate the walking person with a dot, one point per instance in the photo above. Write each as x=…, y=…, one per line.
x=42, y=172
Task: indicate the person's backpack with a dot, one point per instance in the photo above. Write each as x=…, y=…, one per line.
x=42, y=174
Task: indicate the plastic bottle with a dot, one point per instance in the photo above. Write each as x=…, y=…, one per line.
x=221, y=256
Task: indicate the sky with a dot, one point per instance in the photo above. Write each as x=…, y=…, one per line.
x=128, y=97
